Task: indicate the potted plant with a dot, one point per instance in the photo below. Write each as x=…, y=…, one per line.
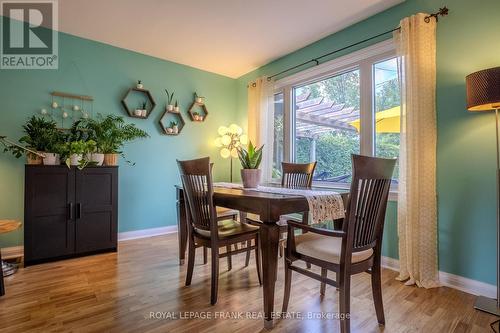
x=250, y=161
x=176, y=107
x=139, y=85
x=199, y=99
x=175, y=128
x=55, y=151
x=40, y=135
x=196, y=116
x=141, y=110
x=74, y=152
x=94, y=154
x=110, y=134
x=170, y=99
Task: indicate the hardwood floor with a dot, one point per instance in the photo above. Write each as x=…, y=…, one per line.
x=117, y=293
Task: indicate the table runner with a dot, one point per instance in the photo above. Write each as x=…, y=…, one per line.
x=323, y=205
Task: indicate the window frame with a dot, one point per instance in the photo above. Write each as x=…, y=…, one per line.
x=363, y=60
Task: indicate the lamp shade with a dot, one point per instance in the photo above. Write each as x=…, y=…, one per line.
x=483, y=90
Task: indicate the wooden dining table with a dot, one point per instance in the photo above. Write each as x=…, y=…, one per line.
x=269, y=206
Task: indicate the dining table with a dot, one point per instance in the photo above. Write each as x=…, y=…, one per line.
x=269, y=207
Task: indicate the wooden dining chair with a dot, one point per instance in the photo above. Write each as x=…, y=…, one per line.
x=204, y=227
x=295, y=175
x=354, y=249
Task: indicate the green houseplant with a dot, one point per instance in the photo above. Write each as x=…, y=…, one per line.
x=170, y=99
x=250, y=161
x=76, y=152
x=111, y=133
x=41, y=135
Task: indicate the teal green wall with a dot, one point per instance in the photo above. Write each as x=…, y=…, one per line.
x=467, y=40
x=146, y=196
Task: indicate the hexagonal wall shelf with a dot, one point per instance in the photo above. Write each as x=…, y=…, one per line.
x=169, y=116
x=139, y=112
x=195, y=115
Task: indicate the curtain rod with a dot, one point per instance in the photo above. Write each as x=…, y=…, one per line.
x=442, y=12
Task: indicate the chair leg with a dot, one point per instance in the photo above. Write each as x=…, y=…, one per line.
x=247, y=259
x=205, y=255
x=377, y=294
x=215, y=275
x=345, y=303
x=2, y=286
x=191, y=257
x=229, y=260
x=257, y=259
x=324, y=274
x=288, y=286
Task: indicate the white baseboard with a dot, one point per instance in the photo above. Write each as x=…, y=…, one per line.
x=136, y=234
x=461, y=283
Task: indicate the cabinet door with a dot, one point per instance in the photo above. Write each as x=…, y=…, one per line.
x=50, y=196
x=96, y=209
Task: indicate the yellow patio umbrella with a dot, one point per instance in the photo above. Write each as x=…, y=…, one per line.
x=386, y=121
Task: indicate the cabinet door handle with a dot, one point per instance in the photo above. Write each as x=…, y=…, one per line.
x=70, y=211
x=78, y=210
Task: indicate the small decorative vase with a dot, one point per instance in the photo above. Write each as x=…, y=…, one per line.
x=75, y=159
x=110, y=159
x=175, y=129
x=50, y=159
x=251, y=177
x=170, y=107
x=138, y=112
x=33, y=159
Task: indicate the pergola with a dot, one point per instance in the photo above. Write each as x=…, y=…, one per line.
x=319, y=115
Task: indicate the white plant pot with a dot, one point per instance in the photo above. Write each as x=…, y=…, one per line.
x=177, y=109
x=140, y=86
x=144, y=113
x=196, y=117
x=51, y=159
x=170, y=107
x=175, y=129
x=138, y=112
x=98, y=158
x=170, y=130
x=75, y=159
x=199, y=100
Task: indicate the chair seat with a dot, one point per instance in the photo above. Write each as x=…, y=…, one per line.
x=230, y=228
x=325, y=248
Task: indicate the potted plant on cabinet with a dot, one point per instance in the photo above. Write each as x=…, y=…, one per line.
x=40, y=135
x=170, y=99
x=176, y=107
x=110, y=134
x=250, y=161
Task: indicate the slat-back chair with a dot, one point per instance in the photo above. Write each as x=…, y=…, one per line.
x=353, y=250
x=205, y=229
x=295, y=175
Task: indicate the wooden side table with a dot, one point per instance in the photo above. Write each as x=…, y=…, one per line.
x=5, y=268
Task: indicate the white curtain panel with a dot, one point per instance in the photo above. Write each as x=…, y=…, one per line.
x=261, y=120
x=417, y=202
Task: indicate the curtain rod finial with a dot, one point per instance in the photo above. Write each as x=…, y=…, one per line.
x=441, y=12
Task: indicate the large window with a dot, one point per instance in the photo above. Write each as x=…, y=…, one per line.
x=350, y=105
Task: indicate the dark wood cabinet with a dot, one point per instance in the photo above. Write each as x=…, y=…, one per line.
x=69, y=212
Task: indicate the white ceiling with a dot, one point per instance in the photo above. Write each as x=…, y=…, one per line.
x=228, y=37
